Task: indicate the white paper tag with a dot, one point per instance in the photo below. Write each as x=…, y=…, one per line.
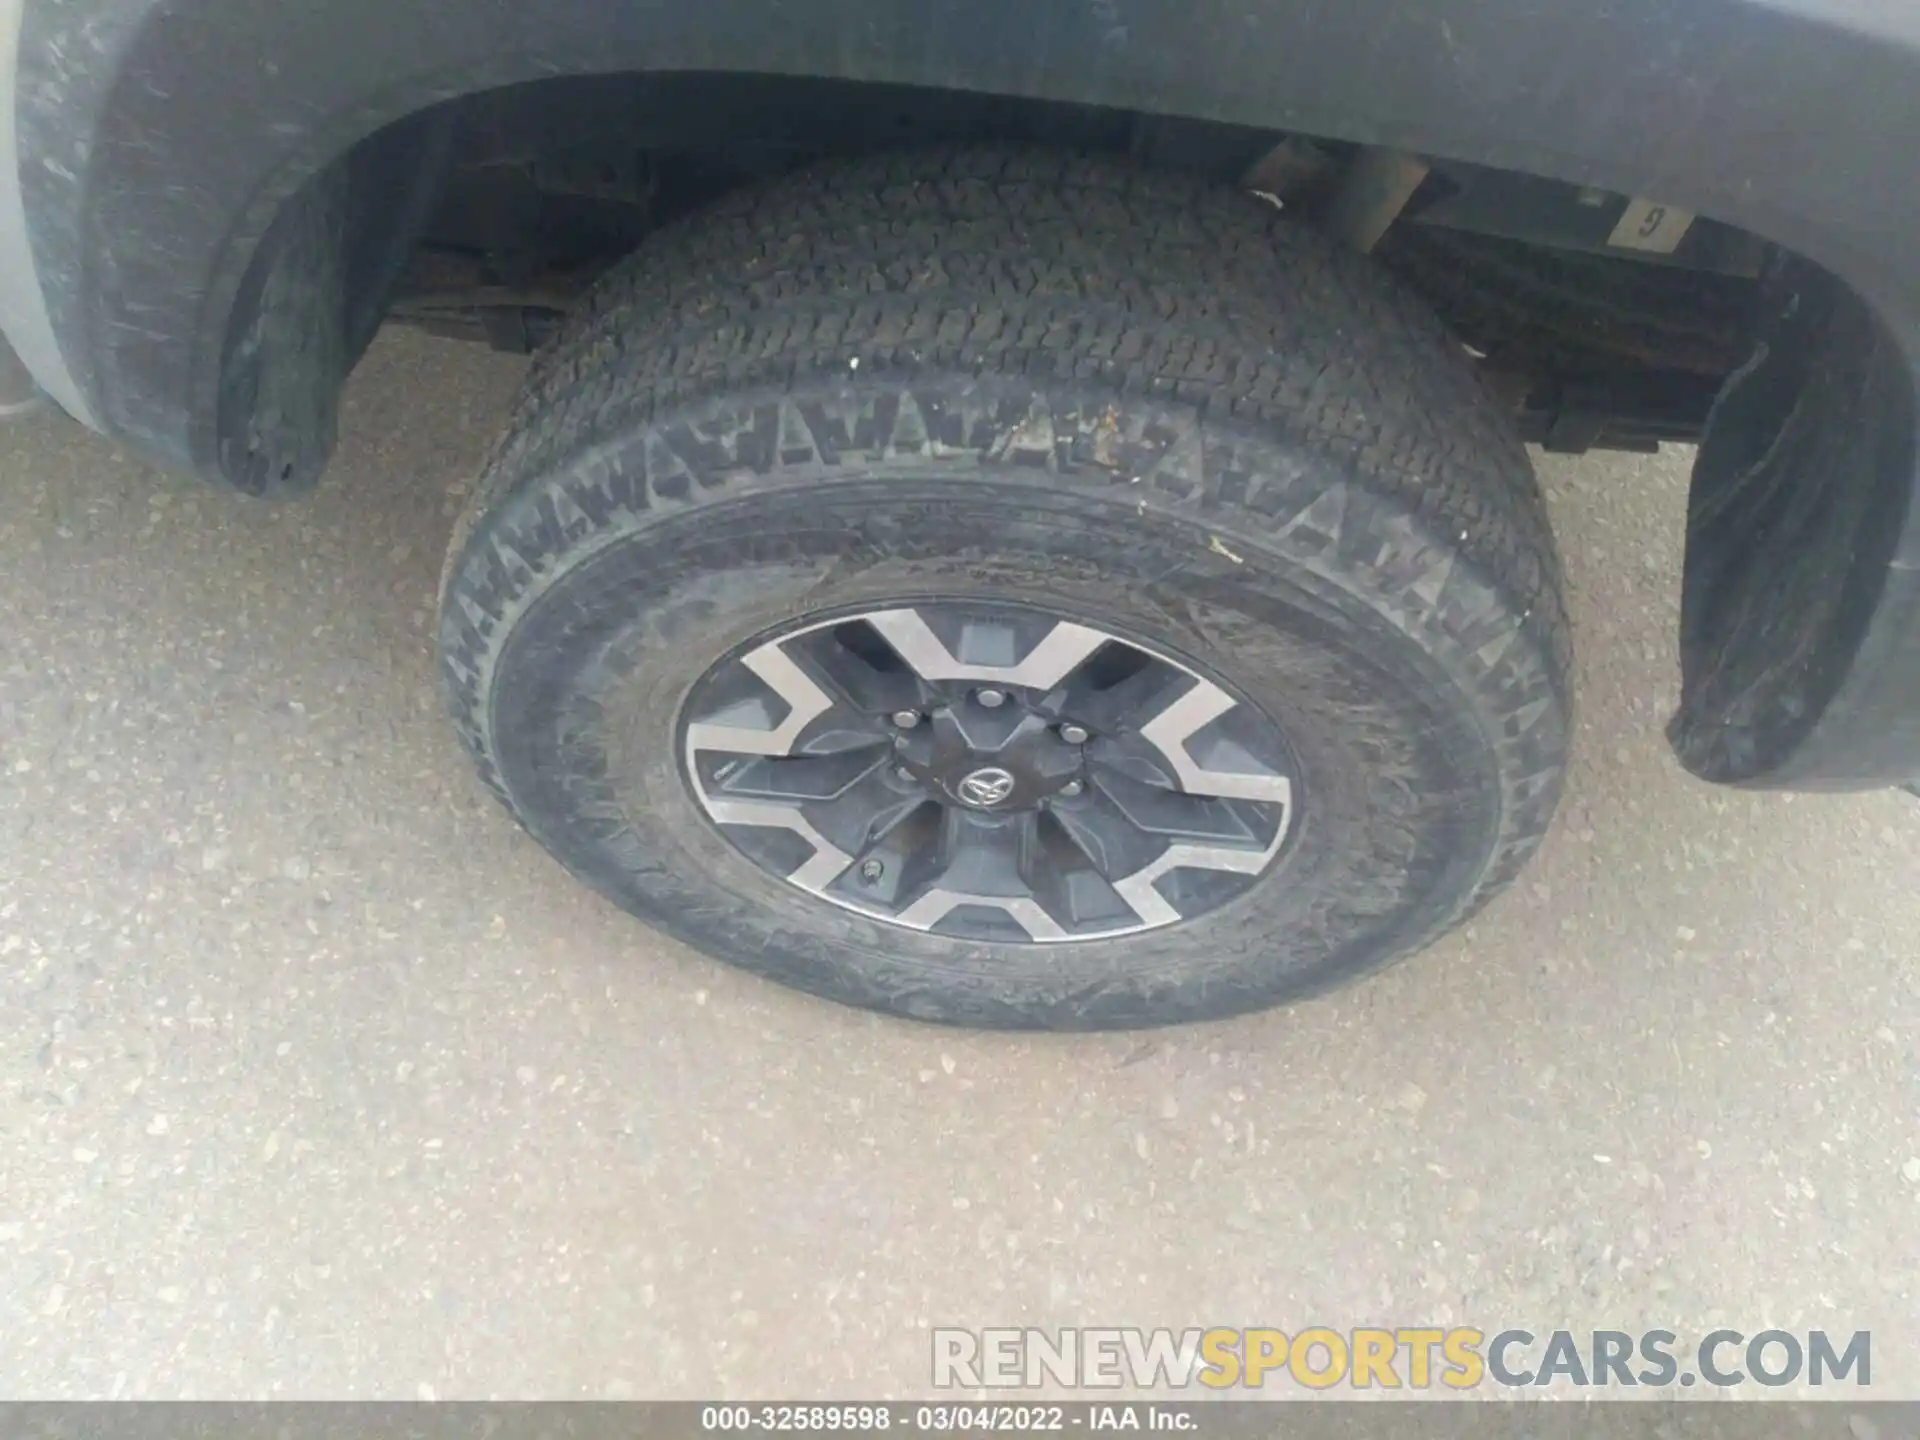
x=1649, y=225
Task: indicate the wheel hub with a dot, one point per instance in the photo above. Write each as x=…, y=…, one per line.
x=988, y=772
x=1002, y=759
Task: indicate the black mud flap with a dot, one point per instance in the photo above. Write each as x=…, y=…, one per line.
x=280, y=386
x=313, y=298
x=1797, y=514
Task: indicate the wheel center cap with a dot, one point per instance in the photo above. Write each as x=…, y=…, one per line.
x=986, y=787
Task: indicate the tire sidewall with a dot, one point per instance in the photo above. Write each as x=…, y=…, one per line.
x=1426, y=716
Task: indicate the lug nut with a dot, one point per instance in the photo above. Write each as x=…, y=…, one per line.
x=872, y=871
x=906, y=719
x=1074, y=734
x=1072, y=787
x=992, y=699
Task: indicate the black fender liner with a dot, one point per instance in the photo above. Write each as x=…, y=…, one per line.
x=312, y=299
x=1800, y=616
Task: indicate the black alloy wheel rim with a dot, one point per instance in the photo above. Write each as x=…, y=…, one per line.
x=988, y=771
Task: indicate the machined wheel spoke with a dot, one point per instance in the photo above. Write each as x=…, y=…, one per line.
x=1131, y=860
x=1141, y=889
x=1103, y=832
x=1109, y=694
x=1069, y=881
x=1218, y=771
x=983, y=857
x=820, y=869
x=988, y=650
x=855, y=662
x=935, y=906
x=748, y=727
x=986, y=869
x=1175, y=814
x=801, y=778
x=865, y=813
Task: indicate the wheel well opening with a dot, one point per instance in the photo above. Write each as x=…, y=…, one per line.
x=1597, y=336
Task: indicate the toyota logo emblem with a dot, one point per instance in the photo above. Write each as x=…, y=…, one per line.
x=986, y=787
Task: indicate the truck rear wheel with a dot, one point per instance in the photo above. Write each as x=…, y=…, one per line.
x=1018, y=591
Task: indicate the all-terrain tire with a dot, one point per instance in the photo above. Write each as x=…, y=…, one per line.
x=1132, y=397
